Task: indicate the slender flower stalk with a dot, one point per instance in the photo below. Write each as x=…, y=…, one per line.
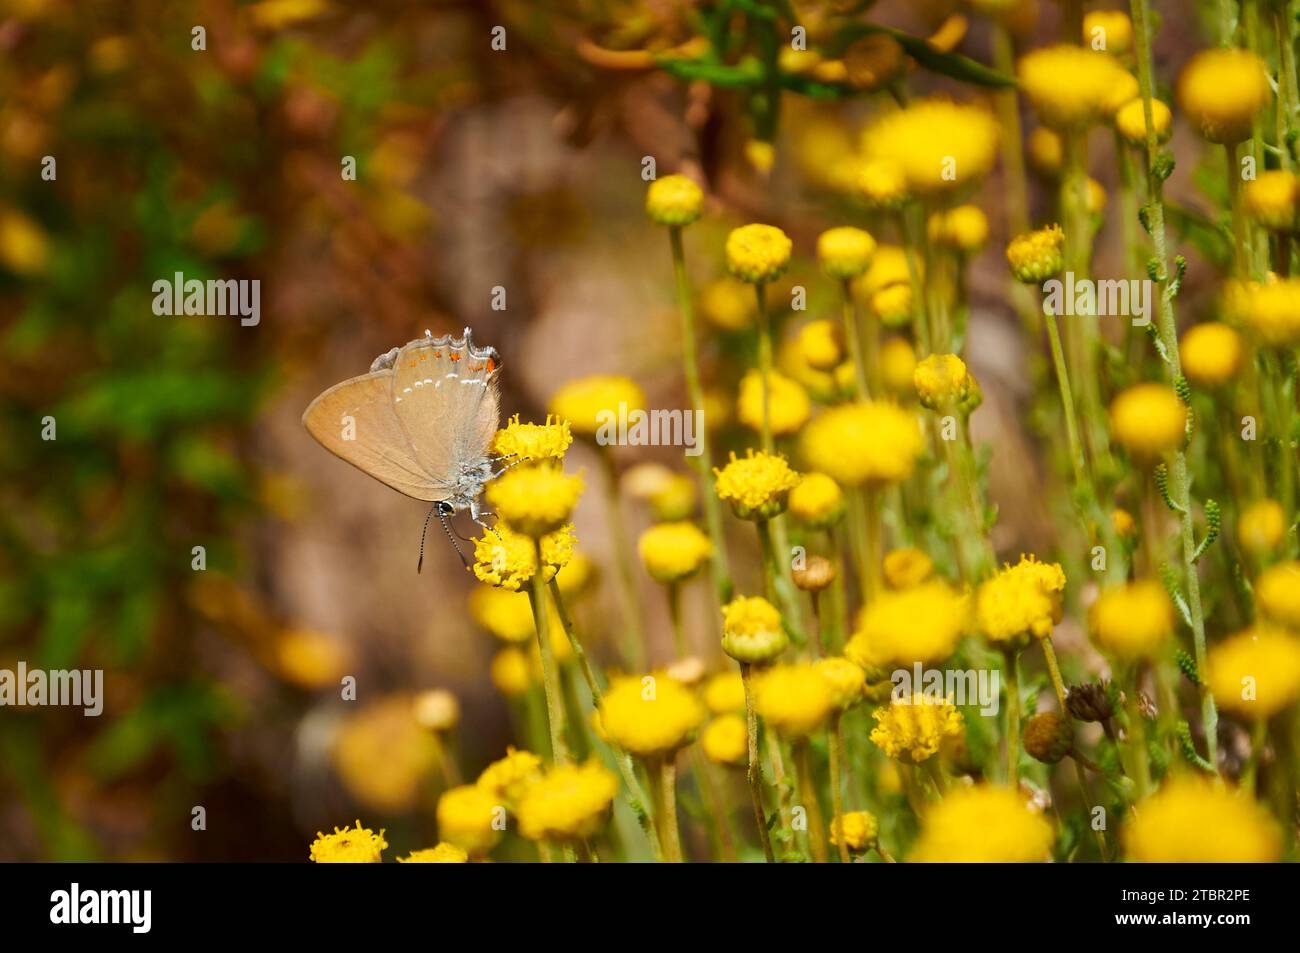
x=808, y=794
x=550, y=674
x=663, y=789
x=633, y=642
x=838, y=773
x=754, y=771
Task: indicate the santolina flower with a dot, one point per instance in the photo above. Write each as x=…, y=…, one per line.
x=568, y=803
x=1270, y=309
x=529, y=443
x=1211, y=354
x=982, y=824
x=1036, y=256
x=756, y=485
x=1021, y=600
x=897, y=364
x=964, y=228
x=436, y=710
x=870, y=443
x=821, y=344
x=358, y=845
x=1049, y=736
x=912, y=729
x=1069, y=85
x=1255, y=673
x=907, y=567
x=880, y=183
x=650, y=716
x=674, y=201
x=1192, y=820
x=725, y=692
x=856, y=830
x=793, y=700
x=1109, y=30
x=508, y=559
x=846, y=680
x=758, y=254
x=844, y=252
x=752, y=630
x=1132, y=620
x=536, y=500
x=1221, y=91
x=511, y=672
x=788, y=403
x=443, y=853
x=1131, y=121
x=1148, y=420
x=918, y=624
x=815, y=574
x=1271, y=198
x=728, y=304
x=506, y=614
x=674, y=551
x=1277, y=594
x=470, y=817
x=1261, y=526
x=1046, y=151
x=508, y=778
x=589, y=403
x=817, y=500
x=942, y=381
x=940, y=146
x=725, y=740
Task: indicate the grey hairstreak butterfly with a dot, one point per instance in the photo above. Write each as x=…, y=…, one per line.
x=421, y=421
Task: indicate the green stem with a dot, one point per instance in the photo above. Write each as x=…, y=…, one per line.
x=1013, y=717
x=550, y=674
x=633, y=648
x=675, y=615
x=765, y=364
x=663, y=788
x=808, y=794
x=836, y=754
x=854, y=341
x=754, y=772
x=1077, y=459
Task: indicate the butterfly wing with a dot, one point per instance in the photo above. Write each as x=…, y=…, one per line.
x=354, y=420
x=445, y=396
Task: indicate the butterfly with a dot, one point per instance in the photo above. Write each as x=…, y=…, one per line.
x=421, y=421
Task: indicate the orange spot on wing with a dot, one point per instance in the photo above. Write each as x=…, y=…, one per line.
x=454, y=356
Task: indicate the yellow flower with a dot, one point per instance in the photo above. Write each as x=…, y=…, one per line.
x=1271, y=310
x=982, y=824
x=845, y=252
x=1255, y=673
x=383, y=756
x=756, y=485
x=889, y=269
x=1277, y=594
x=897, y=364
x=1261, y=526
x=964, y=228
x=529, y=443
x=919, y=624
x=1132, y=620
x=1109, y=30
x=752, y=630
x=1068, y=85
x=725, y=740
x=436, y=710
x=943, y=382
x=856, y=830
x=880, y=183
x=592, y=402
x=728, y=304
x=536, y=500
x=1131, y=121
x=725, y=692
x=674, y=201
x=911, y=729
x=1020, y=600
x=1122, y=522
x=821, y=344
x=760, y=155
x=869, y=443
x=845, y=678
x=444, y=853
x=511, y=672
x=470, y=817
x=1221, y=90
x=508, y=559
x=310, y=659
x=907, y=567
x=788, y=403
x=1148, y=420
x=505, y=614
x=1211, y=354
x=24, y=247
x=674, y=551
x=758, y=254
x=348, y=846
x=570, y=802
x=817, y=500
x=1036, y=256
x=1271, y=198
x=940, y=146
x=506, y=779
x=793, y=700
x=1046, y=151
x=1194, y=820
x=650, y=716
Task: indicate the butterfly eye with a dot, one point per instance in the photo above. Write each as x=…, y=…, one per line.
x=444, y=508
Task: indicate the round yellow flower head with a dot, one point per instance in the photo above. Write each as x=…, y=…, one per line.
x=1211, y=354
x=1277, y=594
x=1271, y=198
x=674, y=551
x=821, y=343
x=964, y=228
x=983, y=824
x=437, y=710
x=751, y=630
x=939, y=145
x=845, y=678
x=1256, y=673
x=817, y=501
x=724, y=693
x=1108, y=30
x=1131, y=121
x=942, y=383
x=907, y=567
x=1095, y=197
x=880, y=183
x=1261, y=526
x=674, y=201
x=888, y=267
x=1148, y=420
x=893, y=305
x=24, y=246
x=470, y=817
x=869, y=443
x=897, y=364
x=788, y=405
x=727, y=304
x=1070, y=86
x=444, y=853
x=511, y=672
x=761, y=156
x=1270, y=309
x=569, y=803
x=844, y=252
x=593, y=402
x=758, y=254
x=535, y=501
x=1020, y=601
x=1132, y=620
x=310, y=659
x=1221, y=91
x=1125, y=90
x=1046, y=151
x=508, y=778
x=725, y=740
x=1122, y=523
x=359, y=845
x=919, y=624
x=651, y=716
x=531, y=443
x=912, y=728
x=1036, y=256
x=383, y=756
x=1193, y=820
x=508, y=559
x=757, y=485
x=856, y=830
x=793, y=700
x=505, y=614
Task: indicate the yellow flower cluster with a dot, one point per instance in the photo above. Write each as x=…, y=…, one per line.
x=651, y=716
x=725, y=740
x=1132, y=620
x=674, y=201
x=591, y=402
x=1277, y=594
x=531, y=443
x=535, y=500
x=508, y=778
x=817, y=500
x=1211, y=354
x=1261, y=526
x=788, y=405
x=569, y=803
x=913, y=728
x=793, y=700
x=443, y=853
x=1192, y=820
x=508, y=559
x=1131, y=121
x=942, y=382
x=1256, y=673
x=845, y=252
x=1271, y=310
x=674, y=551
x=756, y=485
x=921, y=623
x=359, y=845
x=983, y=824
x=1072, y=86
x=1036, y=256
x=752, y=631
x=758, y=254
x=870, y=443
x=856, y=830
x=1221, y=91
x=1021, y=600
x=1271, y=199
x=939, y=146
x=1148, y=420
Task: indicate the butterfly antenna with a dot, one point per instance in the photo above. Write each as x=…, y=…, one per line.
x=419, y=565
x=454, y=545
